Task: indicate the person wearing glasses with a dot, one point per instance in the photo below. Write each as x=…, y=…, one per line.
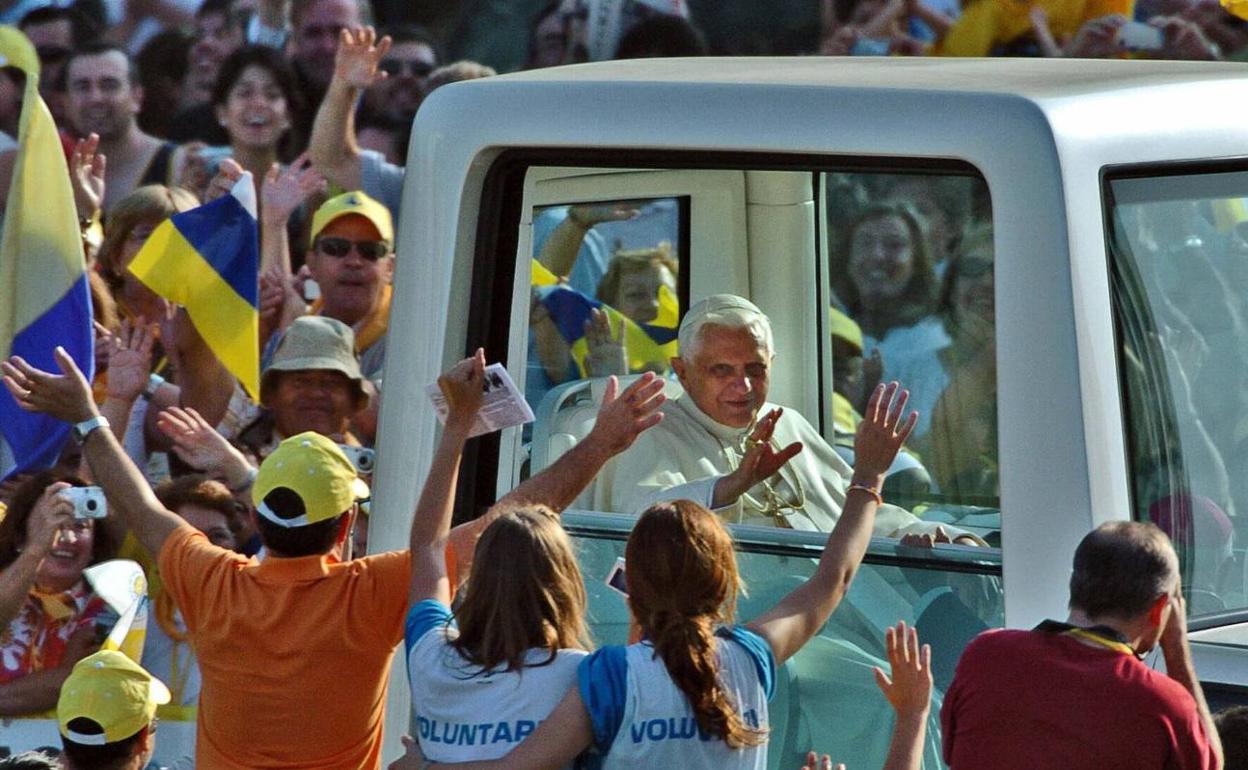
x=408, y=63
x=352, y=261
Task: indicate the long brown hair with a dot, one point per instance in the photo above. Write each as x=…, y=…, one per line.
x=525, y=592
x=682, y=584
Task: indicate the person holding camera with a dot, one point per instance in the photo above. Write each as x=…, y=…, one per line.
x=48, y=612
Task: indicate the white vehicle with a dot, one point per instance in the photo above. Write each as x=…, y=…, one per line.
x=1112, y=192
x=1101, y=375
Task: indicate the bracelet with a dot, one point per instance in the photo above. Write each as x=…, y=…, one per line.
x=879, y=499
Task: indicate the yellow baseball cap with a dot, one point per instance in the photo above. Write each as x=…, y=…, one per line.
x=354, y=202
x=845, y=328
x=114, y=692
x=314, y=468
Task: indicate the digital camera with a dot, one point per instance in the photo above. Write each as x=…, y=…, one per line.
x=89, y=502
x=363, y=458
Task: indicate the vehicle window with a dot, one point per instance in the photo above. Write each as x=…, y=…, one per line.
x=775, y=236
x=600, y=267
x=1179, y=255
x=910, y=265
x=826, y=695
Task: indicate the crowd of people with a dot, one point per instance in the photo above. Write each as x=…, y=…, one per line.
x=249, y=516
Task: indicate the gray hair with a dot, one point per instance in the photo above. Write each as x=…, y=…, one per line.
x=729, y=311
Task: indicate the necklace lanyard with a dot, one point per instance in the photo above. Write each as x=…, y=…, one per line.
x=1100, y=641
x=1097, y=636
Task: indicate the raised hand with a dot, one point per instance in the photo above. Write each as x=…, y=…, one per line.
x=760, y=462
x=606, y=354
x=815, y=762
x=228, y=174
x=881, y=434
x=622, y=419
x=130, y=359
x=463, y=387
x=86, y=176
x=595, y=214
x=284, y=191
x=909, y=690
x=65, y=396
x=359, y=53
x=201, y=446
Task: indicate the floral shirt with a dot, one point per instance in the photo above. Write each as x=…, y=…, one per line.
x=37, y=638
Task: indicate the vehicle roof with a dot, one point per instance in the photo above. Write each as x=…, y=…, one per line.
x=1036, y=78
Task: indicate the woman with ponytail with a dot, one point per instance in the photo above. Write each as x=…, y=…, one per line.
x=693, y=692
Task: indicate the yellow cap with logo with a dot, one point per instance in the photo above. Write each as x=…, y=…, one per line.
x=314, y=468
x=354, y=202
x=114, y=692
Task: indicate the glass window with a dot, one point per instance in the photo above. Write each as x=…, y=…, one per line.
x=826, y=697
x=911, y=281
x=606, y=285
x=1179, y=257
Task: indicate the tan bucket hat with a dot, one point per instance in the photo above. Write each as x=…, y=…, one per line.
x=315, y=342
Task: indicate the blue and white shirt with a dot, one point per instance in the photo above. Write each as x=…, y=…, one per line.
x=463, y=714
x=641, y=718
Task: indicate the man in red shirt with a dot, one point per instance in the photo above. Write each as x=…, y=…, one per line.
x=1076, y=694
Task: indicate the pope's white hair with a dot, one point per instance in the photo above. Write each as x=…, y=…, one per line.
x=728, y=311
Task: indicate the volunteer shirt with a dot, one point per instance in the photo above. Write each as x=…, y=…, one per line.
x=640, y=717
x=463, y=714
x=294, y=653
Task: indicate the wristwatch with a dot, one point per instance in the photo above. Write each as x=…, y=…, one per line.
x=154, y=381
x=86, y=427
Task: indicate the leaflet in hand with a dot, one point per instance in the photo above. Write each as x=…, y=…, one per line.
x=503, y=406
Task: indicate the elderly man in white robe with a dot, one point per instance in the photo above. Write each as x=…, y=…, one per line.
x=722, y=445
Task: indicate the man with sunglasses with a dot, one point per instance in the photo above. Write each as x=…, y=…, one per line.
x=352, y=261
x=407, y=65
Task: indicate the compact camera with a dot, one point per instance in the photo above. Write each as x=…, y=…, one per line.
x=363, y=458
x=89, y=502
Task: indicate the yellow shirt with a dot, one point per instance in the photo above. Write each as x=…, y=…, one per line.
x=985, y=24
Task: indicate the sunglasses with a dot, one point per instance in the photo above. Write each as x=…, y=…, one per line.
x=394, y=67
x=333, y=246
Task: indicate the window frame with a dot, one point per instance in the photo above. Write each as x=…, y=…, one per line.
x=1109, y=174
x=494, y=267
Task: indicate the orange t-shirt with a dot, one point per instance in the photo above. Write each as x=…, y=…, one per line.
x=294, y=653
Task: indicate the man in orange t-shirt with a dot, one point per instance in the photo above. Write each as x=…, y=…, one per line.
x=295, y=651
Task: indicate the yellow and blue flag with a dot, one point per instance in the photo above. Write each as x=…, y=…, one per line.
x=45, y=300
x=208, y=260
x=648, y=346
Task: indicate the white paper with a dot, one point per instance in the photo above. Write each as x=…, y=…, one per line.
x=503, y=406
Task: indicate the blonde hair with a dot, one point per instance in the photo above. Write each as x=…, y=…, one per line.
x=152, y=203
x=631, y=261
x=525, y=592
x=683, y=583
